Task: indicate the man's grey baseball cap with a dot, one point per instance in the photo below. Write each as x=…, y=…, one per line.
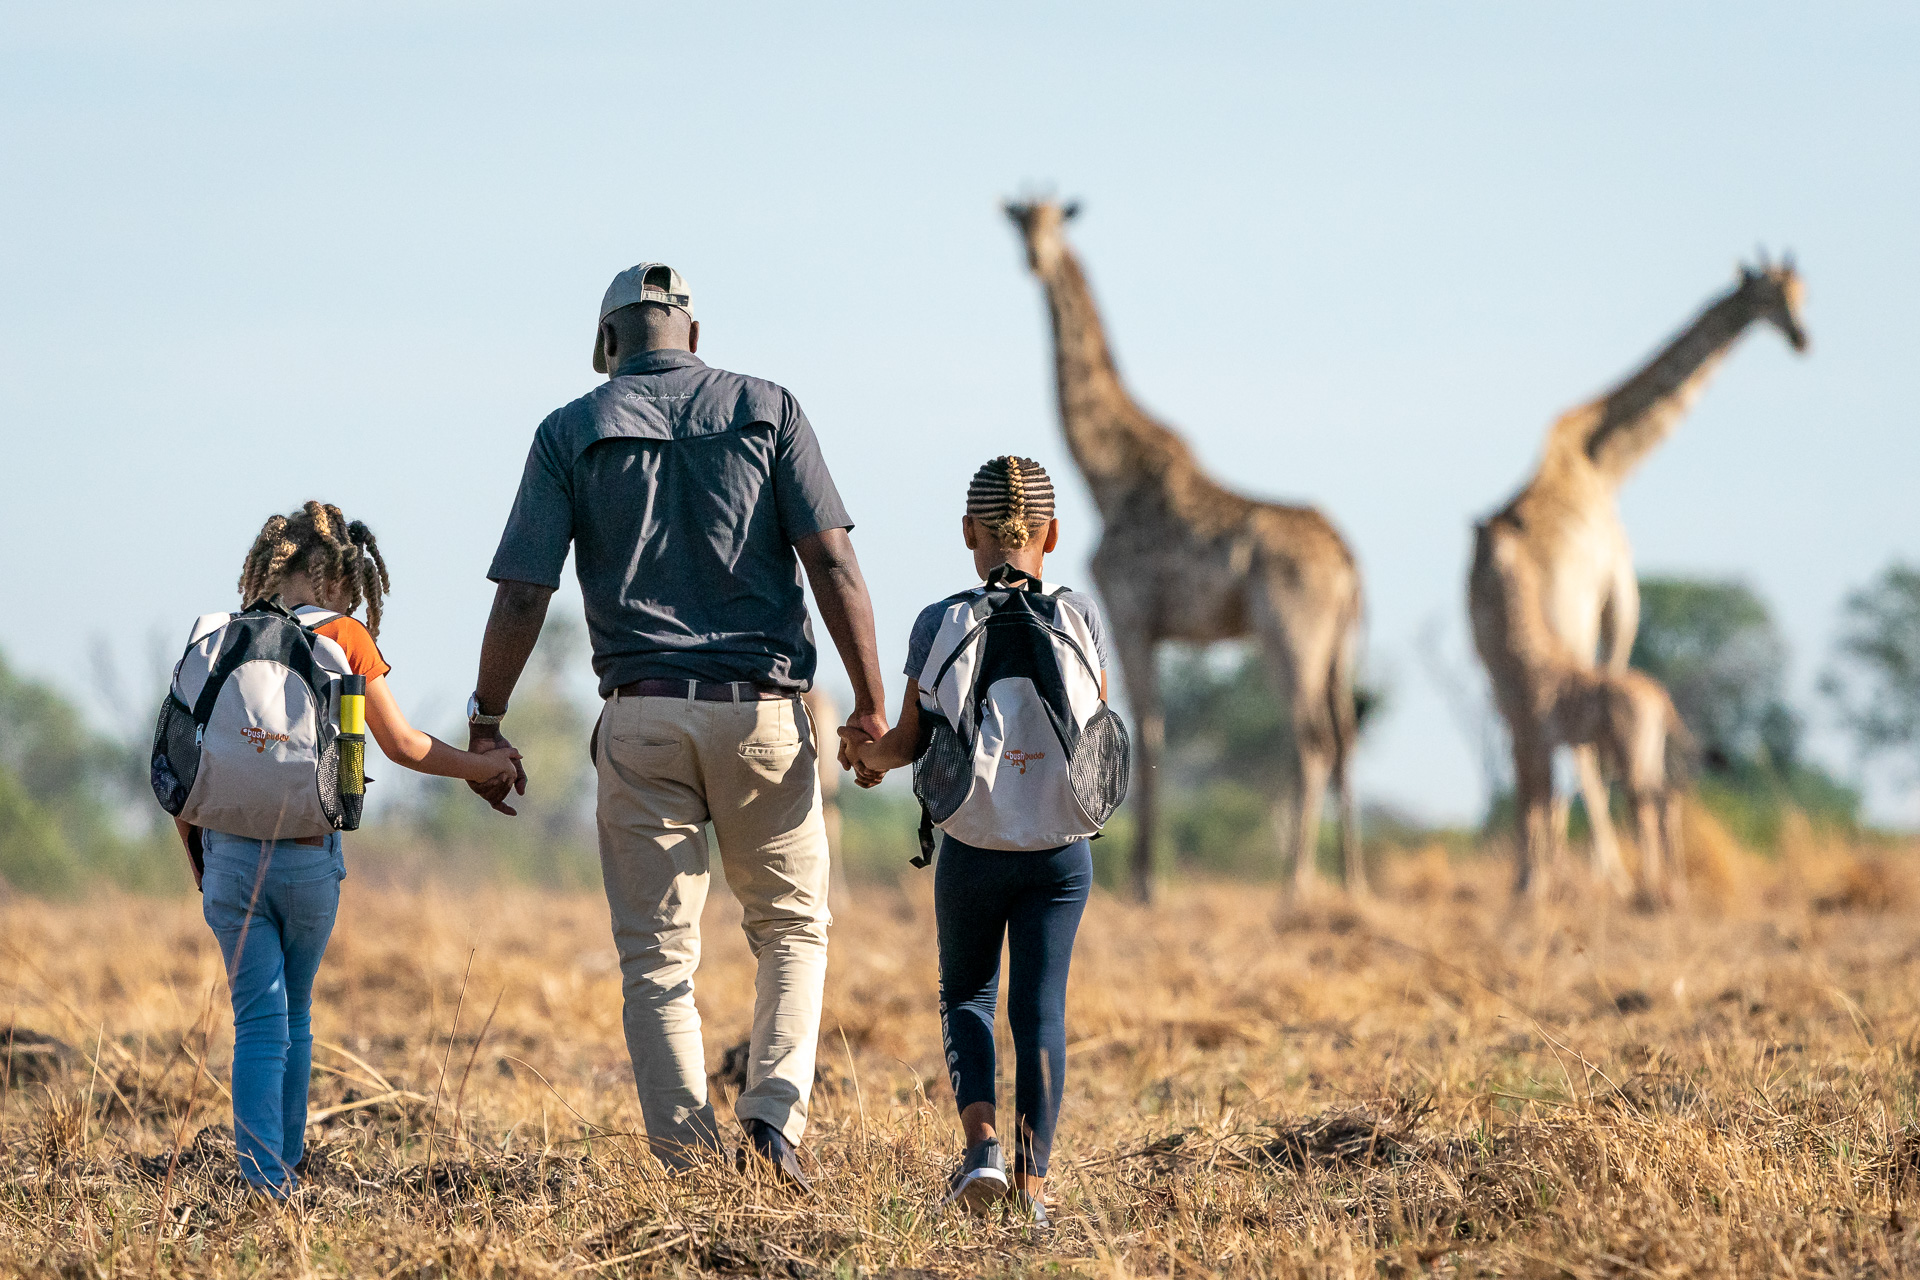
x=646, y=282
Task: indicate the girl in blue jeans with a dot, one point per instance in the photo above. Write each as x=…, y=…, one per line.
x=981, y=897
x=271, y=903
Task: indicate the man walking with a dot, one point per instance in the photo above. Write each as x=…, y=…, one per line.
x=692, y=497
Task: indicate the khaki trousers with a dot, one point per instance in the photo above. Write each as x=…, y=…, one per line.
x=668, y=766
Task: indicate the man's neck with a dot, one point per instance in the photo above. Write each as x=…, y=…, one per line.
x=641, y=357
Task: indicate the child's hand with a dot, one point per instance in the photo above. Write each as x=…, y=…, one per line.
x=865, y=774
x=501, y=761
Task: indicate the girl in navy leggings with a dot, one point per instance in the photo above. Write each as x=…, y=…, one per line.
x=1032, y=900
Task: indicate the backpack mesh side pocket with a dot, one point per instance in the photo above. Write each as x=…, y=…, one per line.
x=943, y=775
x=1101, y=764
x=176, y=755
x=329, y=780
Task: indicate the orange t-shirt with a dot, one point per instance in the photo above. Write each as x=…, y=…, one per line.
x=363, y=655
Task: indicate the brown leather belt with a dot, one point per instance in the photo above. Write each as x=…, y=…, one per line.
x=700, y=691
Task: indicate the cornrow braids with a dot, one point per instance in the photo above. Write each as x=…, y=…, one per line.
x=342, y=559
x=1013, y=498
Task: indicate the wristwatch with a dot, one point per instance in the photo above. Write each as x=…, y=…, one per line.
x=479, y=721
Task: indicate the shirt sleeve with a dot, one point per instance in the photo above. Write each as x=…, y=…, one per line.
x=533, y=548
x=920, y=641
x=1096, y=622
x=363, y=655
x=803, y=489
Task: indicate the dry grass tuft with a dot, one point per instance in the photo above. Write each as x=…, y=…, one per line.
x=1428, y=1082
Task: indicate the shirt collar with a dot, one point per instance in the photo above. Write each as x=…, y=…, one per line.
x=658, y=361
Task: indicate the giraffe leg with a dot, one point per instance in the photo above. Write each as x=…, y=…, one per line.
x=1607, y=865
x=1646, y=813
x=1135, y=646
x=1559, y=819
x=1533, y=798
x=1314, y=764
x=1676, y=850
x=1353, y=864
x=1296, y=816
x=1343, y=717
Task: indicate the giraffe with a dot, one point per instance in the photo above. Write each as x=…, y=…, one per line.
x=1567, y=519
x=1183, y=558
x=1625, y=717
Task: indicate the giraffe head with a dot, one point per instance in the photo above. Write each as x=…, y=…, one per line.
x=1774, y=291
x=1042, y=225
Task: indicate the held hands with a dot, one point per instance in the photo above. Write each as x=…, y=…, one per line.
x=858, y=749
x=505, y=761
x=862, y=730
x=511, y=776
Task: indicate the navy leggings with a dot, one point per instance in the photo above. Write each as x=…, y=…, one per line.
x=1034, y=901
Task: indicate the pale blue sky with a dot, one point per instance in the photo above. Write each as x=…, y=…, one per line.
x=1360, y=255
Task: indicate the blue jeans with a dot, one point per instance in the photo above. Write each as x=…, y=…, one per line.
x=1033, y=901
x=271, y=905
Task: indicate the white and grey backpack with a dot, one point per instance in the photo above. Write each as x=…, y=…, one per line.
x=248, y=738
x=1018, y=748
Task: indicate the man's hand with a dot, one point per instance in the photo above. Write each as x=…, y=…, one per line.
x=862, y=728
x=852, y=743
x=495, y=793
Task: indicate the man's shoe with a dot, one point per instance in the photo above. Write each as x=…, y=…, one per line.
x=981, y=1179
x=773, y=1147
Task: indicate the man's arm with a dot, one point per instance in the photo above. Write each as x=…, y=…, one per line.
x=519, y=611
x=841, y=594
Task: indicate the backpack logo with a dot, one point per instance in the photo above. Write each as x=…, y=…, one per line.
x=259, y=738
x=1023, y=758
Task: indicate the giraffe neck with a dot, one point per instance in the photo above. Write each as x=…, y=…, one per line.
x=1111, y=438
x=1620, y=429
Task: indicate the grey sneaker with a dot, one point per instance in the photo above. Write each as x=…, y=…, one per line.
x=981, y=1179
x=1031, y=1211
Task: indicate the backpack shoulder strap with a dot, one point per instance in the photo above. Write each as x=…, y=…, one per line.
x=272, y=604
x=1007, y=578
x=263, y=635
x=926, y=839
x=313, y=617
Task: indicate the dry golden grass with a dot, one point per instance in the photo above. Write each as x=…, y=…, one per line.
x=1426, y=1081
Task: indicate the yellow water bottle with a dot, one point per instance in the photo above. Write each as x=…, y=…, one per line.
x=353, y=750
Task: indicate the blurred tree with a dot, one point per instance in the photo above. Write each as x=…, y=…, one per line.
x=1228, y=746
x=1876, y=683
x=63, y=789
x=1223, y=720
x=1715, y=647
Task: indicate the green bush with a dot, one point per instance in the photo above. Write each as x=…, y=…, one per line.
x=74, y=804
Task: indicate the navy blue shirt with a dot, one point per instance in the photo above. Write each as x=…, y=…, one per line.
x=683, y=489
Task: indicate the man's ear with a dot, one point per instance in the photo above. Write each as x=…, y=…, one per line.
x=967, y=532
x=693, y=337
x=610, y=344
x=1053, y=535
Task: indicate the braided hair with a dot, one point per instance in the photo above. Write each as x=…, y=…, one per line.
x=1013, y=498
x=317, y=540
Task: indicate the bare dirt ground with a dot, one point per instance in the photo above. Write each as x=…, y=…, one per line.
x=1429, y=1081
